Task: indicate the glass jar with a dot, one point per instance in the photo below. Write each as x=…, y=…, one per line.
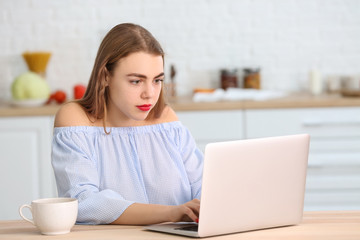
x=252, y=78
x=229, y=79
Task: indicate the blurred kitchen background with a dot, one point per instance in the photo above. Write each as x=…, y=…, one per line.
x=285, y=38
x=292, y=42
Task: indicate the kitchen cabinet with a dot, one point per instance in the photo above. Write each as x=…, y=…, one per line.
x=26, y=173
x=213, y=126
x=333, y=178
x=25, y=145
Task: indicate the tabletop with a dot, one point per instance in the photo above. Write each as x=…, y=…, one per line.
x=323, y=225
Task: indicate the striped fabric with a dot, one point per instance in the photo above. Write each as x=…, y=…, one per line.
x=157, y=164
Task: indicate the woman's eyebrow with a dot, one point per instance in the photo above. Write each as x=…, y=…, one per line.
x=136, y=75
x=160, y=75
x=142, y=76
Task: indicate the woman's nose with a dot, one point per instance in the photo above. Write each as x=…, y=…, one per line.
x=148, y=90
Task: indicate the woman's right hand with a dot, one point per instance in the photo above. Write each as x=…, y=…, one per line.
x=186, y=212
x=145, y=214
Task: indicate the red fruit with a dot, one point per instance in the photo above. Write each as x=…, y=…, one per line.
x=79, y=91
x=59, y=96
x=50, y=99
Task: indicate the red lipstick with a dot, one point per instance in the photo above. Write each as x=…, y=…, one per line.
x=144, y=107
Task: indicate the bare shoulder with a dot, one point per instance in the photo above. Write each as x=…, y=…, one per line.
x=168, y=115
x=71, y=114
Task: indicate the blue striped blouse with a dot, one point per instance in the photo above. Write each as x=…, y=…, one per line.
x=157, y=164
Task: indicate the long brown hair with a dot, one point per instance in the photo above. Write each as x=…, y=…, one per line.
x=119, y=42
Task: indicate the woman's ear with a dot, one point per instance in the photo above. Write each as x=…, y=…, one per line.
x=107, y=77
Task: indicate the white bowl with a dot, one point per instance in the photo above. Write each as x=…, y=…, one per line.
x=28, y=102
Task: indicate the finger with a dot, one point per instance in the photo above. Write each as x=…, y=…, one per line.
x=195, y=203
x=195, y=206
x=191, y=214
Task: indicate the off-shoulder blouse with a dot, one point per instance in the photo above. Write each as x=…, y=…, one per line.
x=158, y=164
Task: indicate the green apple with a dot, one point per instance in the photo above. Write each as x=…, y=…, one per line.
x=30, y=85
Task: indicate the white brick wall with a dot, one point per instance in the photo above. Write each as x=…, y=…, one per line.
x=286, y=38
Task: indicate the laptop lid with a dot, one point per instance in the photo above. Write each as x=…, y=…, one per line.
x=251, y=184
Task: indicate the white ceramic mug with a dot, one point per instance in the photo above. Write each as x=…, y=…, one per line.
x=52, y=216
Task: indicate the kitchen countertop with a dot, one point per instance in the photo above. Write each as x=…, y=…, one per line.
x=296, y=100
x=323, y=225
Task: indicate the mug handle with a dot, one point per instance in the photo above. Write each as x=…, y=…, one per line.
x=25, y=218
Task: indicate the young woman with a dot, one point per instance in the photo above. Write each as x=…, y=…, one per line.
x=120, y=150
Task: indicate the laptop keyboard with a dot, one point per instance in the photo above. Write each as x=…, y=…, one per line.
x=193, y=228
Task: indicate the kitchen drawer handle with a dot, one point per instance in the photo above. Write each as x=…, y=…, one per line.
x=319, y=122
x=315, y=166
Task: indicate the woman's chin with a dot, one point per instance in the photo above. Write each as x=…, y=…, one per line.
x=140, y=117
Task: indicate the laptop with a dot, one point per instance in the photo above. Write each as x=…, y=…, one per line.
x=249, y=185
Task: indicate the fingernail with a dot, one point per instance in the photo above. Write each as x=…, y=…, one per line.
x=197, y=220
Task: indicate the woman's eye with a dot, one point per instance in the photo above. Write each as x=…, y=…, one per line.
x=158, y=80
x=135, y=82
